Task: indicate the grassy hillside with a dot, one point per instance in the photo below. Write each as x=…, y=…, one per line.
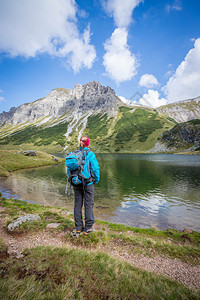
x=16, y=160
x=131, y=130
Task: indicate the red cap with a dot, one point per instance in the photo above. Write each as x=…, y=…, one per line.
x=87, y=142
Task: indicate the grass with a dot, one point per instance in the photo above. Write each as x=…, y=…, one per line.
x=67, y=273
x=11, y=160
x=172, y=243
x=38, y=136
x=172, y=234
x=16, y=208
x=60, y=273
x=132, y=131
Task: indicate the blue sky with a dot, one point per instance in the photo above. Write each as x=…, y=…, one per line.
x=148, y=48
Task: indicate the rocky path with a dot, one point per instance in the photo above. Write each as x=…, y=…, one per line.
x=173, y=268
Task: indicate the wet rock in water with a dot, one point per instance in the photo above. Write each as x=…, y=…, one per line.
x=28, y=218
x=187, y=230
x=53, y=225
x=29, y=153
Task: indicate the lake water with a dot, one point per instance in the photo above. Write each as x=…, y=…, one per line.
x=142, y=190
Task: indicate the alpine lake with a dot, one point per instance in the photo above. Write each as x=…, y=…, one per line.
x=141, y=190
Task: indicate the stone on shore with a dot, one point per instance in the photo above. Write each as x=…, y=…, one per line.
x=53, y=225
x=23, y=219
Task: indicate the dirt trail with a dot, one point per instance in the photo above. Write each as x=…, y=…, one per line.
x=173, y=268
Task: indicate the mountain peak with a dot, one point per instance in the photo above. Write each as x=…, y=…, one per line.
x=91, y=96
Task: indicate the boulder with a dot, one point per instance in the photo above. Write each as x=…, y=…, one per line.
x=29, y=153
x=27, y=218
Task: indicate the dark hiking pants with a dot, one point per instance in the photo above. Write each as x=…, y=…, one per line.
x=87, y=198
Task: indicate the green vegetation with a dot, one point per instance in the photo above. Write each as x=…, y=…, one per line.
x=132, y=130
x=38, y=136
x=68, y=273
x=172, y=234
x=60, y=273
x=172, y=243
x=16, y=208
x=97, y=126
x=140, y=121
x=183, y=135
x=16, y=160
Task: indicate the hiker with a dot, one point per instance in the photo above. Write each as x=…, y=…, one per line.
x=83, y=184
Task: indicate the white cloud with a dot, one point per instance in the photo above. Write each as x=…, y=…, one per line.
x=121, y=10
x=148, y=80
x=124, y=100
x=44, y=26
x=176, y=5
x=118, y=61
x=2, y=99
x=185, y=83
x=152, y=99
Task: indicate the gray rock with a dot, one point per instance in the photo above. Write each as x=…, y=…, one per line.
x=91, y=96
x=182, y=111
x=65, y=212
x=23, y=219
x=55, y=159
x=53, y=225
x=29, y=153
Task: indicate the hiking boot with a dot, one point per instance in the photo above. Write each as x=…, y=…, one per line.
x=88, y=231
x=76, y=233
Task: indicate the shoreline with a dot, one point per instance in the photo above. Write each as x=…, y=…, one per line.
x=14, y=160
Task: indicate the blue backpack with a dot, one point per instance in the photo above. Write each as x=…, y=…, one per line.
x=78, y=168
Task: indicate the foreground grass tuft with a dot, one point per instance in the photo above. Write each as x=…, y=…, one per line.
x=60, y=273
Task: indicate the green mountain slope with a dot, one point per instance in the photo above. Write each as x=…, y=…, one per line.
x=183, y=136
x=130, y=130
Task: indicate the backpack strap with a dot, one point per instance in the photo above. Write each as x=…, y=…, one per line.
x=84, y=181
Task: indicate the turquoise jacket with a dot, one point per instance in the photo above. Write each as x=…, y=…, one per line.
x=93, y=166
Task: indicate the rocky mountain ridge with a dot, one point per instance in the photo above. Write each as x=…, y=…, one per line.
x=88, y=97
x=182, y=111
x=59, y=119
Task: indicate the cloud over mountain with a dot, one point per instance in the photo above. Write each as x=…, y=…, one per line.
x=152, y=99
x=184, y=84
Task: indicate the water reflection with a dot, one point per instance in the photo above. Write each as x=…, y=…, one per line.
x=140, y=190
